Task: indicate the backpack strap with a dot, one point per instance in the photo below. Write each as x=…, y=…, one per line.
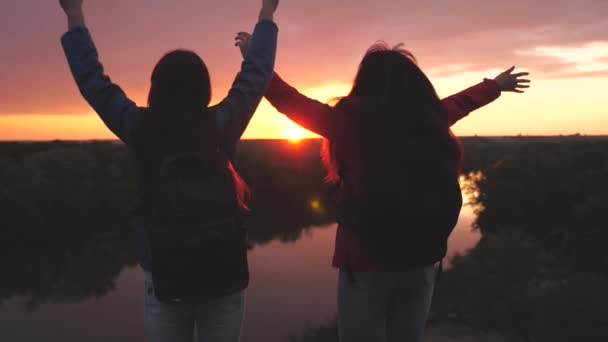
x=439, y=272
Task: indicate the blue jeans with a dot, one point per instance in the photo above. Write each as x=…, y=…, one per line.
x=216, y=320
x=385, y=306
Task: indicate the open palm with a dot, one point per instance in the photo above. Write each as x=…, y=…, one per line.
x=508, y=81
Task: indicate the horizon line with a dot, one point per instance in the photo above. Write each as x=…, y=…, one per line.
x=575, y=135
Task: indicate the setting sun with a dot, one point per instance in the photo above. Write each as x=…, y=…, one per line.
x=294, y=134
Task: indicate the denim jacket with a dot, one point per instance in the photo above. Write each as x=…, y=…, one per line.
x=123, y=117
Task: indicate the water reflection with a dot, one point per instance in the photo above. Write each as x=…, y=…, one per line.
x=465, y=236
x=66, y=282
x=42, y=274
x=294, y=281
x=292, y=288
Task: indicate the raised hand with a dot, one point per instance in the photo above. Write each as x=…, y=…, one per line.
x=71, y=7
x=268, y=9
x=270, y=4
x=242, y=41
x=508, y=81
x=73, y=10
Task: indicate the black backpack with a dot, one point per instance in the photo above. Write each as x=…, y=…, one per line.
x=405, y=212
x=196, y=241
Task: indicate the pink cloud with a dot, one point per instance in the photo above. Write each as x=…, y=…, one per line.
x=320, y=41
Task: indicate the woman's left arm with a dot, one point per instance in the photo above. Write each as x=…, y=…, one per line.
x=117, y=111
x=461, y=104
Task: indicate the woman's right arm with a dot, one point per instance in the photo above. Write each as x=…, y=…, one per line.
x=311, y=114
x=234, y=113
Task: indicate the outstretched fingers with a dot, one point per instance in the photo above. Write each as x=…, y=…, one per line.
x=513, y=82
x=521, y=83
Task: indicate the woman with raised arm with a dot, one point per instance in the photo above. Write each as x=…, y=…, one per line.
x=390, y=152
x=179, y=139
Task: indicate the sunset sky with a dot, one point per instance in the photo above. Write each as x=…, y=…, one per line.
x=563, y=43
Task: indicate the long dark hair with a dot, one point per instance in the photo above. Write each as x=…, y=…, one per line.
x=399, y=108
x=178, y=120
